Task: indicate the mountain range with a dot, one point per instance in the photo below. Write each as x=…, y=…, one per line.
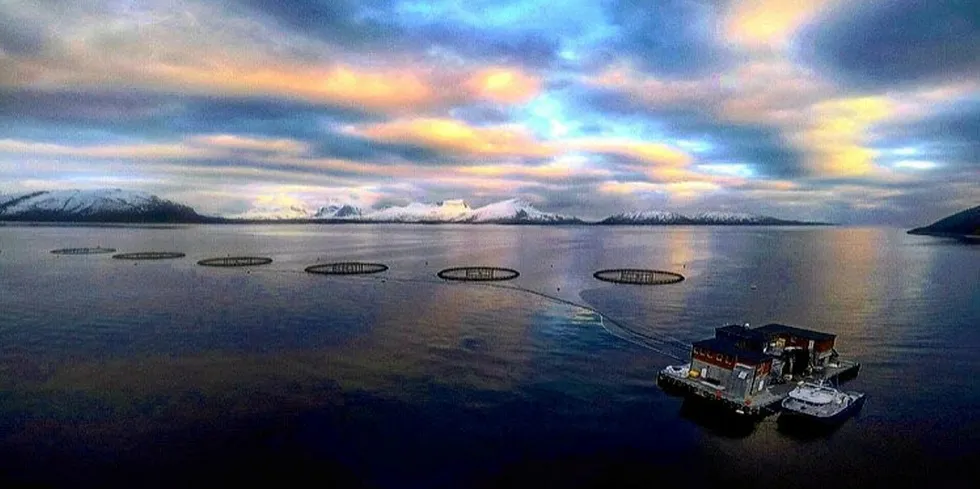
x=701, y=218
x=117, y=205
x=102, y=205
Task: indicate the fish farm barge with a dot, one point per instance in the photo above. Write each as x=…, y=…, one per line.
x=751, y=370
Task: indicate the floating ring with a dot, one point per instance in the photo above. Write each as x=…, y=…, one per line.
x=346, y=268
x=638, y=276
x=83, y=251
x=478, y=274
x=235, y=261
x=150, y=255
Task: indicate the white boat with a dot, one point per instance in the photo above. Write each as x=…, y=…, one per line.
x=821, y=403
x=679, y=371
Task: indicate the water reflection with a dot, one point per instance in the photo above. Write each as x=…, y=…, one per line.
x=719, y=422
x=422, y=376
x=804, y=430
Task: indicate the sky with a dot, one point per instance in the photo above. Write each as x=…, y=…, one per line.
x=857, y=111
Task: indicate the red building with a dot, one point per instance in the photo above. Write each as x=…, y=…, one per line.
x=741, y=361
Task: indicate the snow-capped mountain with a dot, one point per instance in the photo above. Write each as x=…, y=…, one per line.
x=101, y=205
x=296, y=211
x=334, y=211
x=714, y=218
x=446, y=211
x=512, y=211
x=275, y=213
x=647, y=217
x=116, y=205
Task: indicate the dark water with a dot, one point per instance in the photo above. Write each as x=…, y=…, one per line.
x=167, y=374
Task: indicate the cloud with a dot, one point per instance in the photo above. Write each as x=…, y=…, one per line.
x=769, y=24
x=198, y=49
x=835, y=141
x=337, y=21
x=850, y=111
x=19, y=36
x=948, y=136
x=212, y=146
x=672, y=38
x=234, y=143
x=503, y=85
x=654, y=153
x=433, y=31
x=898, y=44
x=381, y=90
x=457, y=138
x=390, y=89
x=135, y=151
x=681, y=189
x=564, y=169
x=83, y=106
x=832, y=132
x=133, y=114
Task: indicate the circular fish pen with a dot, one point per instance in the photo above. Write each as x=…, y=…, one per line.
x=150, y=255
x=478, y=274
x=235, y=261
x=638, y=276
x=98, y=250
x=346, y=268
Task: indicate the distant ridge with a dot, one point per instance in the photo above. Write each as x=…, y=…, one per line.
x=511, y=211
x=127, y=206
x=665, y=218
x=103, y=205
x=963, y=224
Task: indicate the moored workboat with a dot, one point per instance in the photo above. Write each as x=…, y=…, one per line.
x=821, y=403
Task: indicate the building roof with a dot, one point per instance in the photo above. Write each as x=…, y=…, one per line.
x=728, y=347
x=739, y=331
x=773, y=329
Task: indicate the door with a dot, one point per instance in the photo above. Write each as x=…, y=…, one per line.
x=742, y=378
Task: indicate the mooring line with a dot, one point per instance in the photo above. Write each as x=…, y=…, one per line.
x=603, y=318
x=653, y=337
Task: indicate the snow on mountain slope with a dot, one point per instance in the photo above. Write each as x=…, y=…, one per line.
x=335, y=211
x=116, y=205
x=274, y=213
x=446, y=211
x=92, y=205
x=514, y=210
x=728, y=217
x=701, y=218
x=507, y=211
x=647, y=217
x=296, y=210
x=504, y=212
x=79, y=201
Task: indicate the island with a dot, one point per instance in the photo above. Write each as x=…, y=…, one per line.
x=964, y=225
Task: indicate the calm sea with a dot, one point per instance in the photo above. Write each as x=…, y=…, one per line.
x=169, y=374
